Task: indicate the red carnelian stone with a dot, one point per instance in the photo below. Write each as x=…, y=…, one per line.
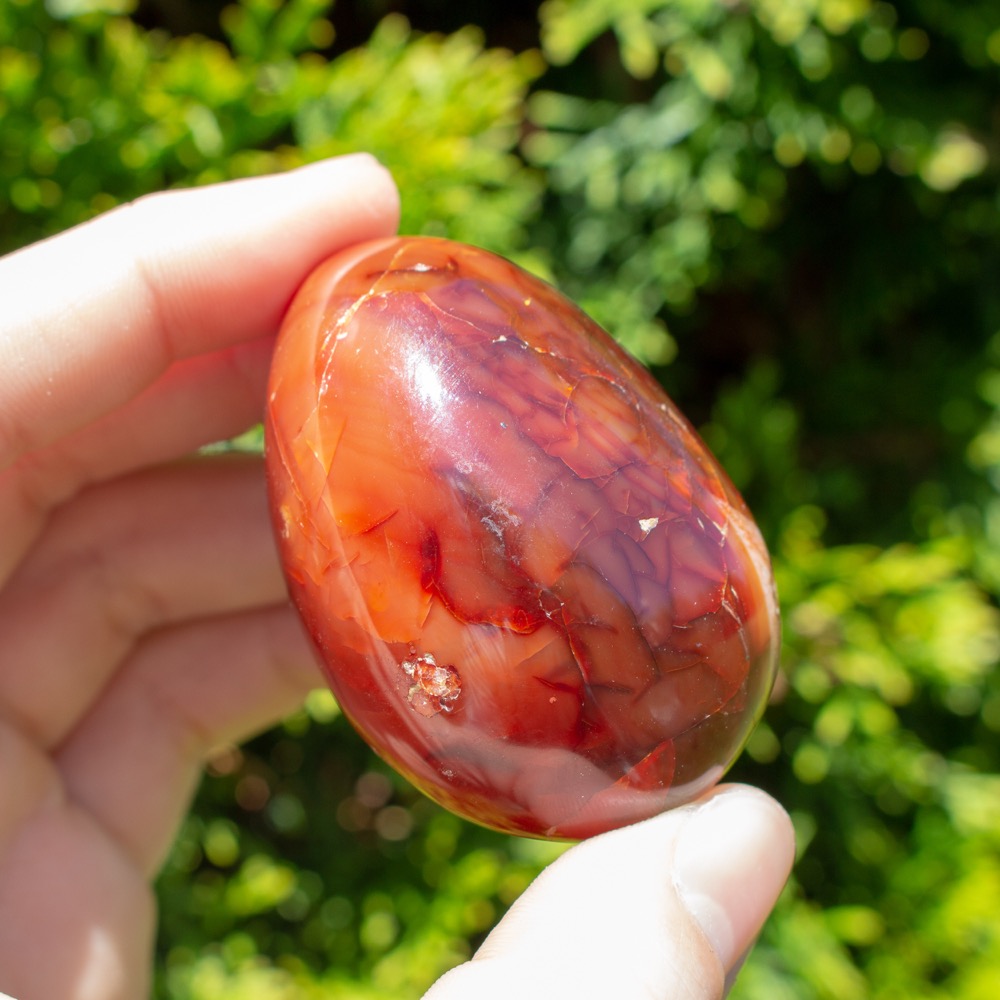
x=533, y=590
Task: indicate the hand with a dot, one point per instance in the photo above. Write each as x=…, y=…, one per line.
x=666, y=909
x=143, y=618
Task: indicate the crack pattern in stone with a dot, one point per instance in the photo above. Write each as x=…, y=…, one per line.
x=471, y=478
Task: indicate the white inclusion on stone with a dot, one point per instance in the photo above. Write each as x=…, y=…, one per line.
x=646, y=524
x=435, y=687
x=500, y=519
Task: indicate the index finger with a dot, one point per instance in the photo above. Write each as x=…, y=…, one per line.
x=94, y=315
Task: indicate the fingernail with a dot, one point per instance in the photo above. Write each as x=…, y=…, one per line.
x=732, y=859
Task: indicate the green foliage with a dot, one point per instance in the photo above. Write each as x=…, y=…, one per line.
x=808, y=182
x=790, y=210
x=97, y=111
x=446, y=126
x=885, y=744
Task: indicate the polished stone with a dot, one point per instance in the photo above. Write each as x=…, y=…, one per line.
x=534, y=591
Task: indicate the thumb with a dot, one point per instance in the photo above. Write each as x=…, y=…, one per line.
x=665, y=908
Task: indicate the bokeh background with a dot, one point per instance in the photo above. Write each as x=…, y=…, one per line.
x=789, y=210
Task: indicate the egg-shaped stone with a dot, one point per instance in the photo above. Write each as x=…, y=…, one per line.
x=533, y=590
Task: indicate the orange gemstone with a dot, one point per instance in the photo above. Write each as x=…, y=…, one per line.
x=534, y=591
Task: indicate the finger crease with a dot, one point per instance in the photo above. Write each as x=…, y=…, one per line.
x=181, y=724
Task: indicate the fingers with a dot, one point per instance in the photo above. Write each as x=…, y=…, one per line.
x=135, y=759
x=730, y=864
x=663, y=909
x=123, y=559
x=76, y=920
x=127, y=317
x=29, y=781
x=162, y=592
x=96, y=314
x=199, y=400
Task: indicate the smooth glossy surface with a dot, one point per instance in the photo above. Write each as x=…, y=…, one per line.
x=534, y=591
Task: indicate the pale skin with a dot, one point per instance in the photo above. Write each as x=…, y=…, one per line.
x=144, y=622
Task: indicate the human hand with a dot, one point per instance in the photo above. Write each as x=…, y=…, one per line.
x=143, y=616
x=666, y=909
